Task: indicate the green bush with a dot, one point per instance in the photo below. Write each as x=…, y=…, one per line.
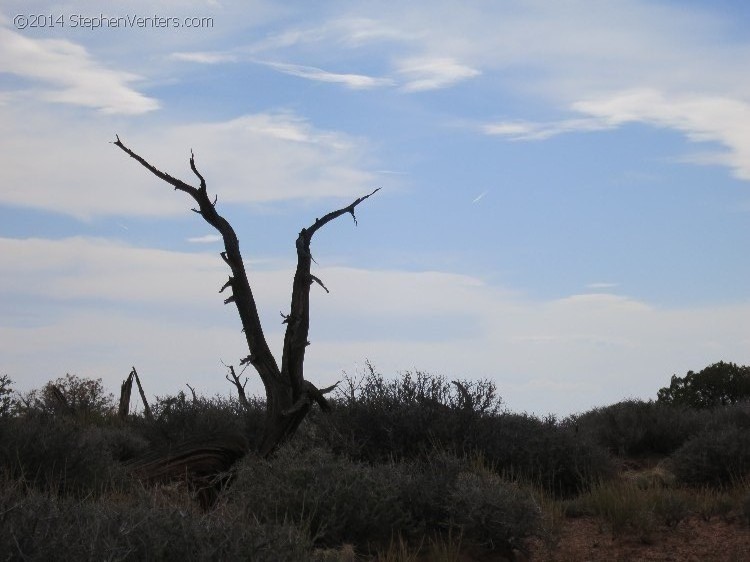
x=720, y=384
x=490, y=513
x=62, y=455
x=371, y=505
x=639, y=428
x=82, y=398
x=543, y=452
x=716, y=457
x=377, y=419
x=38, y=527
x=340, y=500
x=178, y=418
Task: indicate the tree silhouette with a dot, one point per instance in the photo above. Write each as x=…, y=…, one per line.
x=720, y=384
x=289, y=396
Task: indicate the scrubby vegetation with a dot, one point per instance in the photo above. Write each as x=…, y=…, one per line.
x=416, y=467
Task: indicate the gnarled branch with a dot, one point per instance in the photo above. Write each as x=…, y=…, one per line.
x=288, y=395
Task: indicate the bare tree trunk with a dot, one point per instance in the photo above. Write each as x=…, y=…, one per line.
x=235, y=380
x=125, y=391
x=288, y=395
x=146, y=408
x=192, y=391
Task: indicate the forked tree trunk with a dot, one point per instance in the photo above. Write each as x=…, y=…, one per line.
x=289, y=396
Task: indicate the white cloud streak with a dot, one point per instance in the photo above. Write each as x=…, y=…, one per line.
x=204, y=57
x=702, y=119
x=65, y=72
x=353, y=81
x=529, y=131
x=68, y=166
x=205, y=239
x=432, y=73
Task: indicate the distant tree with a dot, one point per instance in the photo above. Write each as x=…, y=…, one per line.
x=720, y=384
x=6, y=396
x=72, y=395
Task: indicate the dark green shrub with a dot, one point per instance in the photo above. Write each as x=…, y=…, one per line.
x=179, y=418
x=343, y=501
x=82, y=398
x=39, y=527
x=543, y=452
x=340, y=500
x=715, y=457
x=490, y=513
x=736, y=415
x=720, y=384
x=638, y=428
x=378, y=419
x=427, y=486
x=61, y=455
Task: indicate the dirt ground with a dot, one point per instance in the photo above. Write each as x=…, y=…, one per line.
x=692, y=540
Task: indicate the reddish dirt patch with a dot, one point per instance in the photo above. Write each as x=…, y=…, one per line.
x=693, y=540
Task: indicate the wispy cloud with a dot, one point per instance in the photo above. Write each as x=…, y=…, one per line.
x=65, y=72
x=205, y=239
x=432, y=73
x=353, y=81
x=205, y=57
x=286, y=156
x=701, y=118
x=530, y=131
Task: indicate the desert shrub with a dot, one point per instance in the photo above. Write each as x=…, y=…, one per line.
x=720, y=384
x=371, y=505
x=62, y=455
x=36, y=526
x=82, y=398
x=340, y=500
x=376, y=419
x=714, y=457
x=639, y=428
x=490, y=513
x=736, y=415
x=426, y=487
x=179, y=418
x=542, y=452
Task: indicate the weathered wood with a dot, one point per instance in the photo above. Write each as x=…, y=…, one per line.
x=146, y=408
x=288, y=395
x=125, y=390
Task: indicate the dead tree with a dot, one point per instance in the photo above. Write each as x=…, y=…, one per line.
x=239, y=385
x=125, y=392
x=146, y=408
x=125, y=389
x=289, y=396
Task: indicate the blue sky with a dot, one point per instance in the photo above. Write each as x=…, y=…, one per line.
x=565, y=203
